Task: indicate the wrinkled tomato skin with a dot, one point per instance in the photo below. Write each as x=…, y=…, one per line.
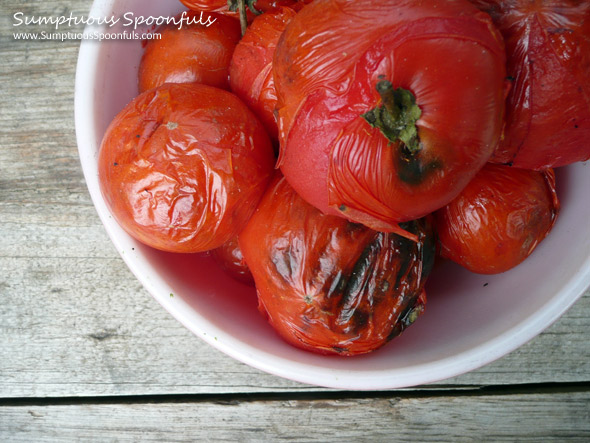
x=498, y=219
x=548, y=107
x=447, y=54
x=250, y=71
x=330, y=286
x=195, y=53
x=183, y=166
x=229, y=256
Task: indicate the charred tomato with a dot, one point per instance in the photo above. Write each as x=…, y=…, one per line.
x=183, y=166
x=498, y=219
x=548, y=107
x=387, y=109
x=328, y=285
x=194, y=53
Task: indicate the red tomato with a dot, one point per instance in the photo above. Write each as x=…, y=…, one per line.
x=498, y=219
x=183, y=166
x=328, y=285
x=205, y=5
x=194, y=53
x=548, y=108
x=221, y=7
x=250, y=71
x=229, y=256
x=379, y=158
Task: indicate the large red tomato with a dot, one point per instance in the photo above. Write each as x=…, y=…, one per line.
x=328, y=285
x=250, y=72
x=548, y=108
x=498, y=219
x=183, y=166
x=194, y=53
x=387, y=109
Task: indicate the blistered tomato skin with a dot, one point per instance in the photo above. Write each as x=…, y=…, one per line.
x=446, y=55
x=251, y=76
x=548, y=107
x=498, y=219
x=195, y=53
x=183, y=166
x=229, y=256
x=330, y=286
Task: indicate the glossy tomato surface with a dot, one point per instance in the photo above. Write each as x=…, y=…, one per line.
x=182, y=167
x=250, y=72
x=328, y=285
x=548, y=107
x=197, y=52
x=498, y=219
x=205, y=5
x=327, y=67
x=229, y=256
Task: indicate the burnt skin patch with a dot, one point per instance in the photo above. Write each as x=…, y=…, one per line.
x=359, y=288
x=412, y=168
x=360, y=319
x=363, y=266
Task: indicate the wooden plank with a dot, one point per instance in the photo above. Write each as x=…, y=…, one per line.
x=532, y=417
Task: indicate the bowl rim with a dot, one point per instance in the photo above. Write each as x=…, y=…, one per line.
x=426, y=373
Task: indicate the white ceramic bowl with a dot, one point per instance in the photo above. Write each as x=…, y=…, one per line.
x=470, y=319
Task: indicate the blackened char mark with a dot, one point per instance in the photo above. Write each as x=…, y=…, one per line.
x=412, y=168
x=356, y=286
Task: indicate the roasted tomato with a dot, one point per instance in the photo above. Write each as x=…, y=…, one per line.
x=498, y=219
x=183, y=166
x=387, y=109
x=229, y=257
x=205, y=5
x=222, y=5
x=328, y=285
x=250, y=72
x=548, y=107
x=194, y=53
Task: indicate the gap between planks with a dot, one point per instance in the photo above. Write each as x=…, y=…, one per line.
x=229, y=398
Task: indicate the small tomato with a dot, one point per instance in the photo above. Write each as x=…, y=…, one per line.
x=498, y=219
x=195, y=53
x=250, y=73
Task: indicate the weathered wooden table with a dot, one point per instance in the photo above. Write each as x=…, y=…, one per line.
x=87, y=354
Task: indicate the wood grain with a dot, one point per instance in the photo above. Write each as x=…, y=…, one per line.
x=534, y=418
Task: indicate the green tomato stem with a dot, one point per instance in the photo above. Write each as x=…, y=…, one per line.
x=397, y=116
